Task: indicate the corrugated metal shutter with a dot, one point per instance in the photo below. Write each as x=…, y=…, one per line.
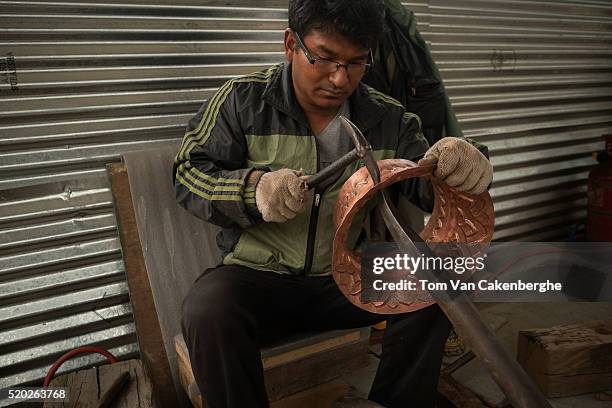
x=94, y=80
x=531, y=79
x=62, y=283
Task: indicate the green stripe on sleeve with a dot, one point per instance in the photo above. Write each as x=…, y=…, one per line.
x=409, y=115
x=192, y=176
x=204, y=129
x=201, y=193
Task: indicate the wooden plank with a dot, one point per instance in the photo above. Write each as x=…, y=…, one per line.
x=137, y=393
x=457, y=394
x=85, y=386
x=148, y=331
x=82, y=389
x=288, y=356
x=568, y=359
x=299, y=340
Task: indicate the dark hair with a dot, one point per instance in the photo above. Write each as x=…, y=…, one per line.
x=360, y=21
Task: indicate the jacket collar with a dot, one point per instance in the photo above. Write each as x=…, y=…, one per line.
x=279, y=93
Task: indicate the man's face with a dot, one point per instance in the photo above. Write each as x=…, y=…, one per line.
x=319, y=90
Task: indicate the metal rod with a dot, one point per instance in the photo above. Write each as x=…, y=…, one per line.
x=507, y=373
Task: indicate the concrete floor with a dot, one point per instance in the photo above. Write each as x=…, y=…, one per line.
x=507, y=319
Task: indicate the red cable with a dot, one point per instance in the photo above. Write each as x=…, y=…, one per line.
x=80, y=350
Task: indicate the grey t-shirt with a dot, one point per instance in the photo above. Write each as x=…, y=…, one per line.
x=332, y=142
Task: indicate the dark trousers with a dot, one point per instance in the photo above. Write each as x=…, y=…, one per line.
x=229, y=308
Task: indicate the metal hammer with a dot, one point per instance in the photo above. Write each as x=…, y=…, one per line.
x=362, y=150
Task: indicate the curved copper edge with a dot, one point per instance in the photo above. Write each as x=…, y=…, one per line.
x=457, y=217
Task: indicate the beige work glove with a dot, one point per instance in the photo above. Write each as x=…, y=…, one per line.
x=460, y=165
x=280, y=195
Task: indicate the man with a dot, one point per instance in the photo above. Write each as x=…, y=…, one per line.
x=240, y=166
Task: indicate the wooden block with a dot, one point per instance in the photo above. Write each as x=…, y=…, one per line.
x=295, y=366
x=85, y=386
x=568, y=359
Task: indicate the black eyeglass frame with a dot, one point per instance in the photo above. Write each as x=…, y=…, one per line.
x=312, y=60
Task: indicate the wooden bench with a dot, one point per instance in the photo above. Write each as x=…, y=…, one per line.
x=164, y=249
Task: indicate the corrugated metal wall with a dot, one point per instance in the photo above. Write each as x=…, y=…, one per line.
x=93, y=80
x=531, y=79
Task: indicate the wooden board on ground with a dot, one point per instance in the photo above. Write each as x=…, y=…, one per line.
x=289, y=370
x=458, y=395
x=568, y=359
x=86, y=386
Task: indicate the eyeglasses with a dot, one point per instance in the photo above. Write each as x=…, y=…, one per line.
x=329, y=66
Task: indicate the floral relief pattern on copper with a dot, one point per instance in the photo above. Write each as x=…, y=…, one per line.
x=457, y=217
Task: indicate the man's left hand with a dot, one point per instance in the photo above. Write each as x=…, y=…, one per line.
x=460, y=165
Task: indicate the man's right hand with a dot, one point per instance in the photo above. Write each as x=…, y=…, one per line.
x=280, y=195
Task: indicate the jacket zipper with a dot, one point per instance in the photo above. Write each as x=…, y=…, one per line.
x=312, y=231
x=314, y=217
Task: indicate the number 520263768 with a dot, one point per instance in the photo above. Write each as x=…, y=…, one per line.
x=33, y=394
